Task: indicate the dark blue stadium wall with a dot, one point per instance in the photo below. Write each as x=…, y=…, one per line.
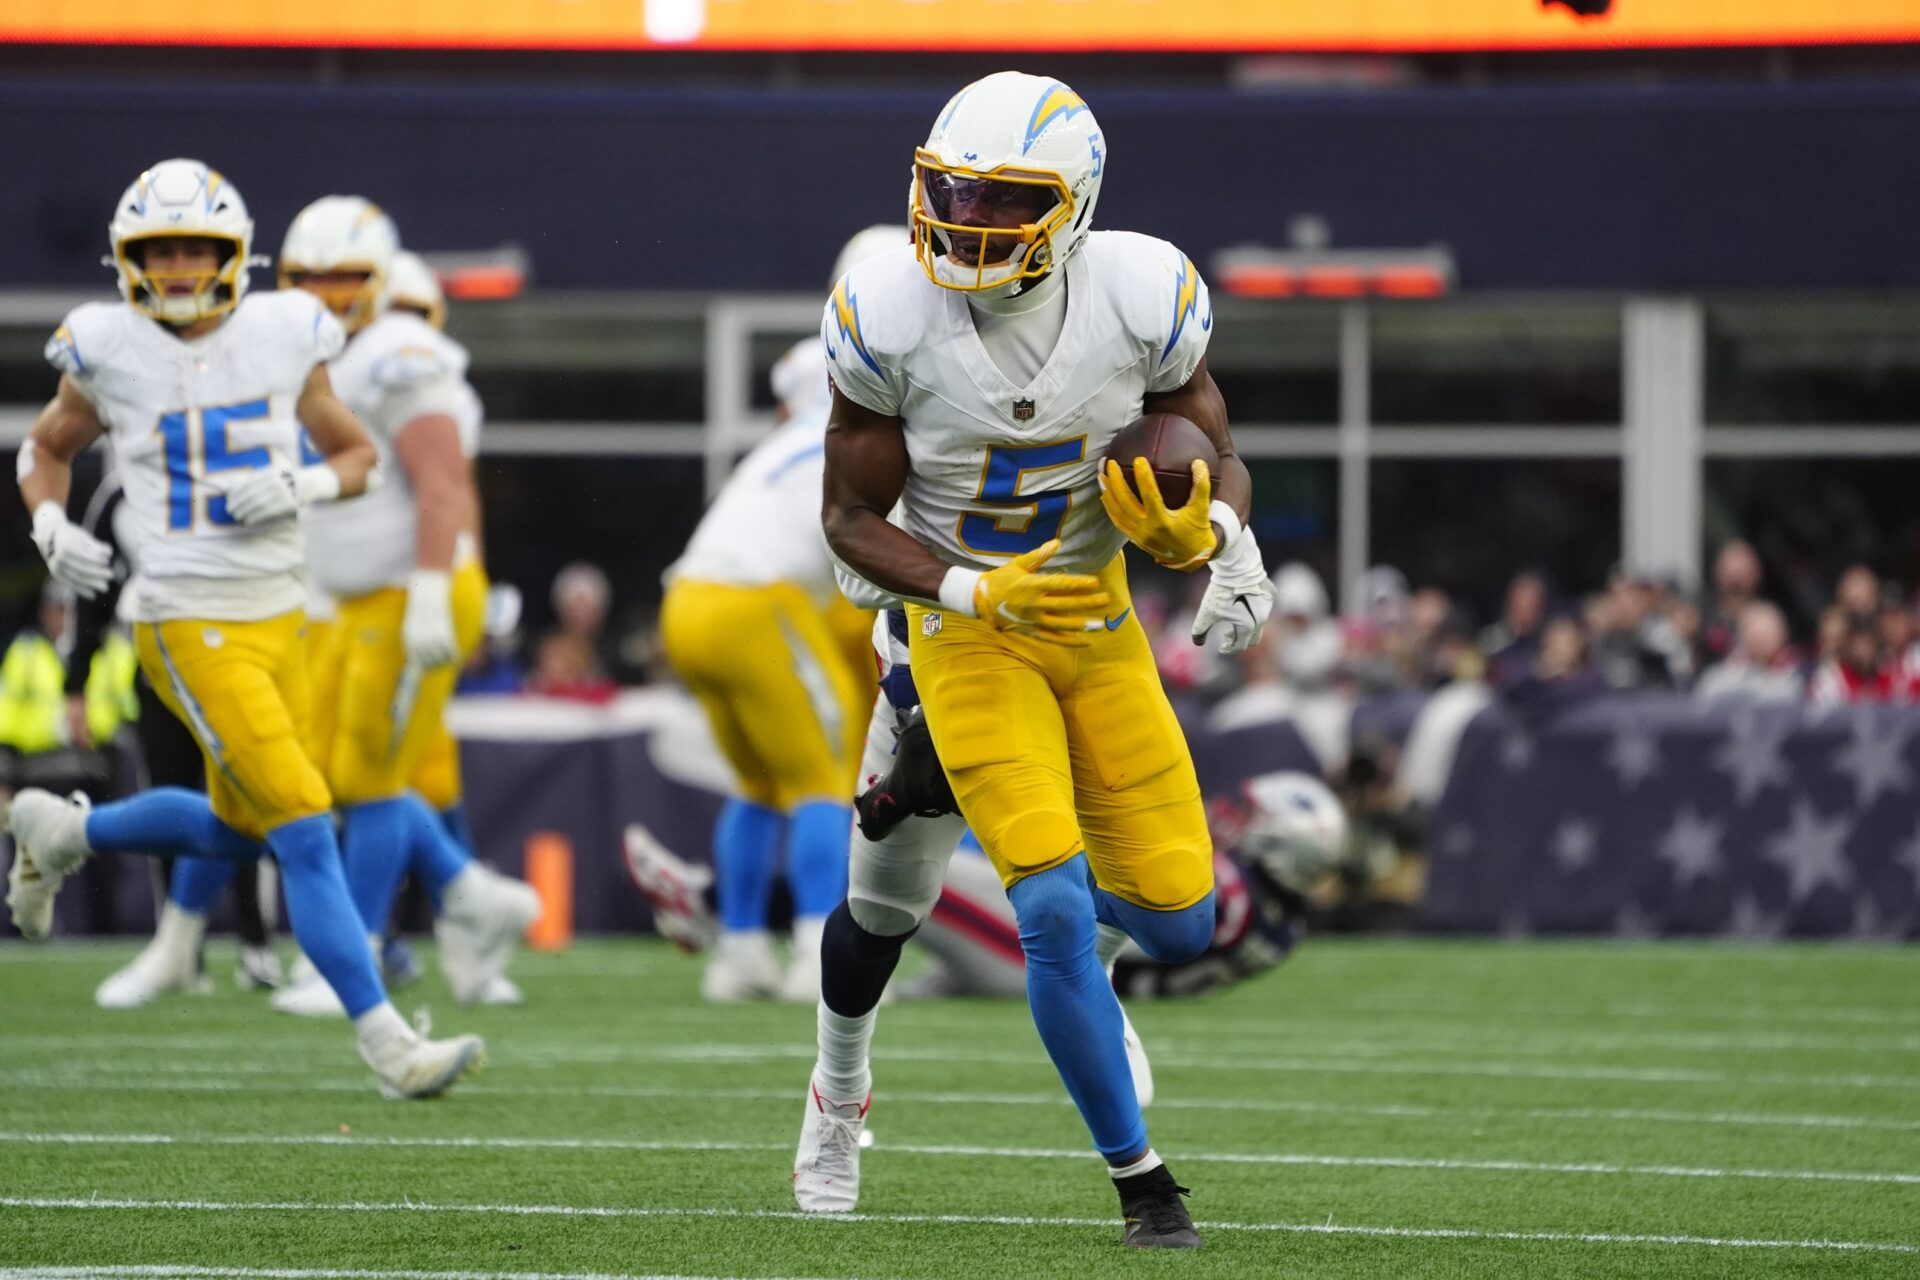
x=1770, y=187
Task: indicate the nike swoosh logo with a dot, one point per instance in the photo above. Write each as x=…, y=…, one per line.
x=1113, y=624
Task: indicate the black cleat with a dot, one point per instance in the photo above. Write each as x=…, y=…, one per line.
x=1153, y=1214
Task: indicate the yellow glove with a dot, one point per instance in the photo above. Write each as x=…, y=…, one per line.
x=1179, y=539
x=1060, y=608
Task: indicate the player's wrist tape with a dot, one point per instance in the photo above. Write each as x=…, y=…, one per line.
x=430, y=584
x=318, y=483
x=1222, y=514
x=956, y=591
x=48, y=517
x=1238, y=564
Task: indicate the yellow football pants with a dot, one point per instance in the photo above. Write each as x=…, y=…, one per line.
x=852, y=629
x=436, y=778
x=241, y=688
x=1052, y=751
x=775, y=684
x=382, y=718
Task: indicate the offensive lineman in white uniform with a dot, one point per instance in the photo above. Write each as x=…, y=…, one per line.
x=979, y=378
x=202, y=391
x=403, y=566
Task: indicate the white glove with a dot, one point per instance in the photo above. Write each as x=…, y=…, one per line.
x=279, y=491
x=73, y=555
x=1238, y=598
x=427, y=630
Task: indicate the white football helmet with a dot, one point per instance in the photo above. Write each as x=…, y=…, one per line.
x=800, y=379
x=866, y=244
x=342, y=235
x=1291, y=824
x=414, y=285
x=1004, y=189
x=181, y=198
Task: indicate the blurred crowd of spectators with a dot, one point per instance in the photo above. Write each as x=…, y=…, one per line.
x=1640, y=632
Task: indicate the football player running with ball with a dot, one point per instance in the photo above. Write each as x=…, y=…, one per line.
x=202, y=391
x=979, y=377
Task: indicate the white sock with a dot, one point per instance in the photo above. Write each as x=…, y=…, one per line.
x=842, y=1069
x=381, y=1024
x=1145, y=1164
x=458, y=897
x=806, y=937
x=744, y=944
x=1107, y=944
x=179, y=931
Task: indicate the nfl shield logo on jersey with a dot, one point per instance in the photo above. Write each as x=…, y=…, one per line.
x=930, y=625
x=1022, y=410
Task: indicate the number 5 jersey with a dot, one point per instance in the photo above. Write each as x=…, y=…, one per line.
x=995, y=469
x=187, y=418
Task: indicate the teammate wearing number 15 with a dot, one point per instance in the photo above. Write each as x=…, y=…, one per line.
x=202, y=390
x=979, y=376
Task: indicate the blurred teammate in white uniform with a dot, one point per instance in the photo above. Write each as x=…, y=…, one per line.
x=403, y=568
x=752, y=622
x=203, y=391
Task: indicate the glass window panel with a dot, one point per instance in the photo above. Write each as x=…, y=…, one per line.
x=1469, y=525
x=1809, y=361
x=1277, y=362
x=1812, y=518
x=543, y=513
x=1514, y=363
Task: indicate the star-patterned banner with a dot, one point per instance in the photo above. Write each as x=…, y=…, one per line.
x=1645, y=815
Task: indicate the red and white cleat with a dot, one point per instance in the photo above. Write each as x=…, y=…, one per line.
x=826, y=1168
x=674, y=888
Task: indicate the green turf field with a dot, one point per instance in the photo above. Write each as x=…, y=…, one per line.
x=1372, y=1109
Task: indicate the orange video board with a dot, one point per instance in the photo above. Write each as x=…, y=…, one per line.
x=940, y=25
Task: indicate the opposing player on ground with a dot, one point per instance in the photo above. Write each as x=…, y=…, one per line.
x=1276, y=837
x=402, y=566
x=979, y=377
x=202, y=390
x=748, y=624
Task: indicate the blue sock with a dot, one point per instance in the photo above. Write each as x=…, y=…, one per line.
x=375, y=841
x=746, y=845
x=817, y=839
x=453, y=820
x=322, y=912
x=1074, y=1007
x=434, y=853
x=197, y=883
x=170, y=821
x=1170, y=937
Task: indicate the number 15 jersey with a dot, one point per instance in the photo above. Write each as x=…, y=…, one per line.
x=187, y=418
x=994, y=469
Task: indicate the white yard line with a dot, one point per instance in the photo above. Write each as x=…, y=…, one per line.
x=1414, y=1064
x=207, y=1079
x=1291, y=1158
x=1548, y=1043
x=1784, y=1014
x=141, y=1271
x=946, y=1219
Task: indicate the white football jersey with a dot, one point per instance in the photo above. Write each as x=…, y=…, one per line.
x=395, y=370
x=994, y=469
x=764, y=526
x=185, y=419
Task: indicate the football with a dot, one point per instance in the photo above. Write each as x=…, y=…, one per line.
x=1169, y=443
